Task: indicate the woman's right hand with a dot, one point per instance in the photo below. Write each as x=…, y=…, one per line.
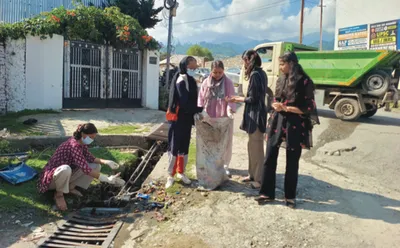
x=277, y=106
x=198, y=117
x=114, y=180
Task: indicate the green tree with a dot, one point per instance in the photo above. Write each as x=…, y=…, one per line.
x=197, y=50
x=141, y=10
x=163, y=56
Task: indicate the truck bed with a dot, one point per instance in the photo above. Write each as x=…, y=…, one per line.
x=345, y=68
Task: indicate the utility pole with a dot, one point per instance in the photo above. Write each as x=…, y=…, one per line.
x=170, y=5
x=320, y=25
x=301, y=22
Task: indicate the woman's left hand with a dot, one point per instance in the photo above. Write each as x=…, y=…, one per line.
x=113, y=165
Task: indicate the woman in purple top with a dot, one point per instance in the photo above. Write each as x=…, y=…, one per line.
x=73, y=165
x=213, y=92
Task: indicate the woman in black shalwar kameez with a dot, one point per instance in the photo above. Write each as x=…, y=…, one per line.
x=292, y=121
x=183, y=100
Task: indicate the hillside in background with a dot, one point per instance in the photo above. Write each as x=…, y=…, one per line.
x=235, y=45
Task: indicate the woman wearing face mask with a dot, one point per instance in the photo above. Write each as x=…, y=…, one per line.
x=183, y=102
x=292, y=121
x=73, y=165
x=254, y=115
x=213, y=157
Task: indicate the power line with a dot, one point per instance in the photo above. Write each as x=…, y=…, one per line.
x=272, y=5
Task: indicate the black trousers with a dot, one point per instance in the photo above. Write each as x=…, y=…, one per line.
x=269, y=171
x=179, y=135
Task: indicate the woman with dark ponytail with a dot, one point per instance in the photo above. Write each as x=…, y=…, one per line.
x=254, y=115
x=73, y=165
x=292, y=121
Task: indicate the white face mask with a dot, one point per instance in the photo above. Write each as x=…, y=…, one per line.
x=87, y=140
x=191, y=72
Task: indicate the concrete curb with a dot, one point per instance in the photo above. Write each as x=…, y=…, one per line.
x=28, y=142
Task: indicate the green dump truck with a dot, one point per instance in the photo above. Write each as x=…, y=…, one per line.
x=352, y=83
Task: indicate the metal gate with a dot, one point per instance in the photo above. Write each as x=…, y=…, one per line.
x=98, y=76
x=125, y=86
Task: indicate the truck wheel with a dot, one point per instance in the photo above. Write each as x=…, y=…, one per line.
x=377, y=83
x=347, y=109
x=371, y=110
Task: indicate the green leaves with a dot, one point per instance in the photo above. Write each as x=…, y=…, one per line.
x=87, y=23
x=197, y=50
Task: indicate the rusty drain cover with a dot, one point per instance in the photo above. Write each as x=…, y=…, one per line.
x=82, y=230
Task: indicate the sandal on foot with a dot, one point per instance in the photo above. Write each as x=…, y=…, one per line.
x=262, y=199
x=246, y=179
x=291, y=203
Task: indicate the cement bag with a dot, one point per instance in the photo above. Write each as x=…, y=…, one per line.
x=212, y=139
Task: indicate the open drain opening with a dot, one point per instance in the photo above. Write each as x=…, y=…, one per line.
x=98, y=223
x=106, y=195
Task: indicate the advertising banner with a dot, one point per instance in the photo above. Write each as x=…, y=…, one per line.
x=353, y=38
x=384, y=35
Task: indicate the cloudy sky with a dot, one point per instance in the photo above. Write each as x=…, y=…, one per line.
x=254, y=19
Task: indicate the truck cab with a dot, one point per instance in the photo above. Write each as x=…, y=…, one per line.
x=269, y=53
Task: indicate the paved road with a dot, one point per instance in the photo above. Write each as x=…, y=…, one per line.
x=376, y=141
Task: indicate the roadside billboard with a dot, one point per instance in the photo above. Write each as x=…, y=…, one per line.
x=383, y=35
x=353, y=38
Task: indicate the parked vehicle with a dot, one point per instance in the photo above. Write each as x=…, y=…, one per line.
x=234, y=75
x=201, y=74
x=352, y=83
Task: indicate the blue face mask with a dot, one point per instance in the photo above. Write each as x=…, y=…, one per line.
x=87, y=140
x=191, y=72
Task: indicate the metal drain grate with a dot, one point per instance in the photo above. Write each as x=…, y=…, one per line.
x=84, y=231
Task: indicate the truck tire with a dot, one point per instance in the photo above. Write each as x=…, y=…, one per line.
x=347, y=109
x=377, y=83
x=371, y=110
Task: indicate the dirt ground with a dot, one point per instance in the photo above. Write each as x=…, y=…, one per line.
x=348, y=196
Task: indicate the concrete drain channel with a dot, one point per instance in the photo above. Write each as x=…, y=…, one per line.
x=97, y=224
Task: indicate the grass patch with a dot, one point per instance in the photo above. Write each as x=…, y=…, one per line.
x=191, y=161
x=10, y=121
x=26, y=195
x=177, y=187
x=123, y=129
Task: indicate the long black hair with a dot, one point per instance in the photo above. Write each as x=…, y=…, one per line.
x=254, y=62
x=295, y=74
x=87, y=128
x=172, y=101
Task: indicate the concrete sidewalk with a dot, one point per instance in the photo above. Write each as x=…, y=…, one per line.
x=66, y=122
